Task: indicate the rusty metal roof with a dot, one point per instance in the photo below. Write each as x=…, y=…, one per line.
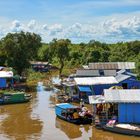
x=112, y=65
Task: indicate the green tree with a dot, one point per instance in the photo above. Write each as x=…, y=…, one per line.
x=59, y=49
x=20, y=48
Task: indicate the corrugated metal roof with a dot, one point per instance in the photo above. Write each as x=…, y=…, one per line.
x=131, y=74
x=121, y=71
x=122, y=96
x=112, y=65
x=110, y=72
x=87, y=72
x=116, y=96
x=95, y=80
x=96, y=99
x=6, y=74
x=122, y=77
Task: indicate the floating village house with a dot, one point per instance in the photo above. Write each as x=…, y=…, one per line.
x=40, y=66
x=6, y=78
x=99, y=76
x=122, y=103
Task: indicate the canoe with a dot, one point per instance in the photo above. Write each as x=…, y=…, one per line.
x=120, y=130
x=13, y=97
x=65, y=112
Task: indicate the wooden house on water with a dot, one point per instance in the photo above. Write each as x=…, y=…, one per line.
x=99, y=76
x=40, y=66
x=120, y=105
x=6, y=79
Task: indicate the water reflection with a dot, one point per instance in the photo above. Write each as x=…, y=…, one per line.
x=56, y=80
x=36, y=120
x=71, y=130
x=18, y=123
x=104, y=135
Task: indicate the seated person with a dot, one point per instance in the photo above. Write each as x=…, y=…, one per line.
x=111, y=123
x=81, y=114
x=75, y=114
x=85, y=112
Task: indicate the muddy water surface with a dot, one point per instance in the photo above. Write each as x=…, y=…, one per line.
x=36, y=120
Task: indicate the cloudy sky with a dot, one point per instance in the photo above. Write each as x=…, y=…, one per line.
x=78, y=20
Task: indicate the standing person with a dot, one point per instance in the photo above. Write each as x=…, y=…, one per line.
x=81, y=103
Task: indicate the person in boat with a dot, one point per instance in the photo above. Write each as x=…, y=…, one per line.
x=82, y=112
x=69, y=115
x=85, y=112
x=75, y=114
x=81, y=103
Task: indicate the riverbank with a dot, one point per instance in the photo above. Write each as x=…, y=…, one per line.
x=34, y=77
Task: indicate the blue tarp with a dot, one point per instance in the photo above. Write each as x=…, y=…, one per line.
x=84, y=88
x=59, y=108
x=65, y=105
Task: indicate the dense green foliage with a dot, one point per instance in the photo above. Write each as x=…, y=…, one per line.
x=59, y=49
x=95, y=51
x=18, y=49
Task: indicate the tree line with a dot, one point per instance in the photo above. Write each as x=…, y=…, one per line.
x=18, y=49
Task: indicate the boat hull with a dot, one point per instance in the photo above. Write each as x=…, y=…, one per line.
x=77, y=121
x=121, y=130
x=13, y=102
x=15, y=98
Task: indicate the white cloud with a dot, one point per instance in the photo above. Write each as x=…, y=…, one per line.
x=16, y=26
x=55, y=29
x=109, y=30
x=125, y=29
x=45, y=27
x=31, y=25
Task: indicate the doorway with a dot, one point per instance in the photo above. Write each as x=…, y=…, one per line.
x=124, y=85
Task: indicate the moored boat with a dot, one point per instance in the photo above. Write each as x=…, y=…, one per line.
x=66, y=111
x=7, y=97
x=62, y=98
x=125, y=129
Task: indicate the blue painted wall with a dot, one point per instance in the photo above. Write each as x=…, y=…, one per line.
x=131, y=82
x=98, y=89
x=2, y=82
x=129, y=113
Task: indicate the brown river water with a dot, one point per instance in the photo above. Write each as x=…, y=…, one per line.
x=36, y=120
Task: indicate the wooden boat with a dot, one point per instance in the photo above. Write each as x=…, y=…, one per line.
x=7, y=97
x=58, y=86
x=65, y=112
x=123, y=130
x=62, y=98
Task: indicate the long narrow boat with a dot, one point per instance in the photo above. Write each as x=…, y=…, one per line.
x=7, y=97
x=123, y=130
x=65, y=112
